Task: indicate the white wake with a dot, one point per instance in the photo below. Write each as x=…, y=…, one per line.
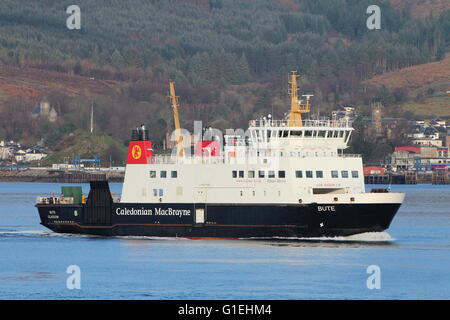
x=361, y=237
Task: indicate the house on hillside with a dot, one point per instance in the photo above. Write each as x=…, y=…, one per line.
x=5, y=152
x=34, y=154
x=30, y=154
x=428, y=133
x=8, y=149
x=44, y=110
x=346, y=113
x=19, y=155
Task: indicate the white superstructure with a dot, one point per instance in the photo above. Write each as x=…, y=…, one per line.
x=275, y=161
x=277, y=164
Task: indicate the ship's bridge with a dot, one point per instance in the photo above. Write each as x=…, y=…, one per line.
x=305, y=134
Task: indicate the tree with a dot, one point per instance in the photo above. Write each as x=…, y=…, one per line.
x=117, y=60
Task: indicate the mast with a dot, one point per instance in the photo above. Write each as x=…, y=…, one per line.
x=92, y=117
x=176, y=119
x=297, y=106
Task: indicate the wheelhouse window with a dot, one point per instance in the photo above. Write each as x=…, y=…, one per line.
x=163, y=174
x=344, y=174
x=309, y=174
x=308, y=134
x=296, y=133
x=281, y=174
x=334, y=174
x=298, y=174
x=152, y=174
x=322, y=134
x=354, y=174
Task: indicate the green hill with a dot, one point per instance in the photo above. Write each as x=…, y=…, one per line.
x=229, y=58
x=87, y=145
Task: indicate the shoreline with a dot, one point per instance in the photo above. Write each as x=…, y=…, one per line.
x=60, y=176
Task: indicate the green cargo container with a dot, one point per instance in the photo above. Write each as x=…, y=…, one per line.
x=75, y=192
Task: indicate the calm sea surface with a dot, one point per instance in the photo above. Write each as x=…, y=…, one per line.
x=413, y=257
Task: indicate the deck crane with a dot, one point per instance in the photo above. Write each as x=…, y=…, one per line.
x=176, y=119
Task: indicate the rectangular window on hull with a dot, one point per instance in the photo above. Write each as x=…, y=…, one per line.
x=241, y=174
x=328, y=190
x=251, y=174
x=152, y=174
x=334, y=174
x=281, y=174
x=344, y=174
x=309, y=174
x=234, y=173
x=271, y=174
x=163, y=174
x=298, y=174
x=260, y=174
x=319, y=174
x=354, y=174
x=174, y=174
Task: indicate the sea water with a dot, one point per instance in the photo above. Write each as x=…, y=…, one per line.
x=411, y=260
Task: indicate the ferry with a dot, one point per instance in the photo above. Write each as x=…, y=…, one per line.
x=287, y=178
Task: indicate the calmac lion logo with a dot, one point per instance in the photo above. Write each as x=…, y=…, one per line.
x=136, y=152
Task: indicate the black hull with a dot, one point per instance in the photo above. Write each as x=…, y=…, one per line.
x=220, y=220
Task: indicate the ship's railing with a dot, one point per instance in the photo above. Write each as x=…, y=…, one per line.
x=54, y=200
x=166, y=159
x=303, y=123
x=65, y=200
x=187, y=159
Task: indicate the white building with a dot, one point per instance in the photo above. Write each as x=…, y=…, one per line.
x=34, y=155
x=5, y=152
x=29, y=155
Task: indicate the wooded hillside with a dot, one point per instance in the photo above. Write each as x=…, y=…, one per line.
x=230, y=60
